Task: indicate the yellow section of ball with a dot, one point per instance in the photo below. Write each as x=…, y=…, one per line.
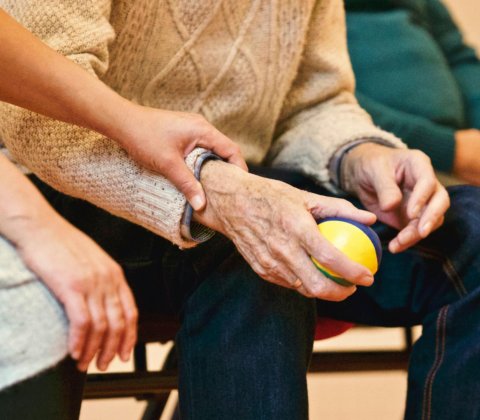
x=352, y=241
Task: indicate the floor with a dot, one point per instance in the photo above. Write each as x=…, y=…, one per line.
x=339, y=396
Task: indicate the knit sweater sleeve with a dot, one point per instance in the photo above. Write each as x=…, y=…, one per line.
x=463, y=60
x=320, y=113
x=74, y=160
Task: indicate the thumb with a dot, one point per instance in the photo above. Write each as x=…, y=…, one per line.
x=180, y=175
x=388, y=192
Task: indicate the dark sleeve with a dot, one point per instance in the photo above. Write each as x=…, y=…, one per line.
x=437, y=141
x=463, y=60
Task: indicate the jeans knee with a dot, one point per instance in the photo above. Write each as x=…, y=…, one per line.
x=462, y=221
x=234, y=300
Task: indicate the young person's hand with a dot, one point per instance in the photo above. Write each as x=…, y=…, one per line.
x=98, y=302
x=36, y=77
x=160, y=140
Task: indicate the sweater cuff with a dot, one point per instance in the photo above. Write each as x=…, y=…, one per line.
x=191, y=230
x=335, y=164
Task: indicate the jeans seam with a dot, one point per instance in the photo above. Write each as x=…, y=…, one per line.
x=440, y=342
x=448, y=268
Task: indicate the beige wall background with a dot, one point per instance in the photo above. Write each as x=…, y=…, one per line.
x=467, y=14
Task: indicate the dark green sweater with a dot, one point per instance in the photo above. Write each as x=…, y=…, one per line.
x=415, y=75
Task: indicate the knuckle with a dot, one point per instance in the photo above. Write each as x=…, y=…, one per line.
x=418, y=154
x=317, y=290
x=77, y=283
x=264, y=260
x=326, y=258
x=117, y=326
x=116, y=270
x=100, y=326
x=82, y=322
x=132, y=315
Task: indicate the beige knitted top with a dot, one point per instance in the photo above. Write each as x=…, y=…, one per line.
x=273, y=75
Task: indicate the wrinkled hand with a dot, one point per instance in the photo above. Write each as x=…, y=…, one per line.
x=91, y=286
x=466, y=164
x=400, y=187
x=160, y=140
x=273, y=226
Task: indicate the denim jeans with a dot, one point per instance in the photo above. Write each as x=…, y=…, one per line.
x=244, y=345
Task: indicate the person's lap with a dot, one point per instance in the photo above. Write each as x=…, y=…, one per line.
x=209, y=286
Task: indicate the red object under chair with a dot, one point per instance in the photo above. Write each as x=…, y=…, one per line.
x=327, y=328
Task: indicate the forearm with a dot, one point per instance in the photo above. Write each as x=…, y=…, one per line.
x=37, y=78
x=22, y=207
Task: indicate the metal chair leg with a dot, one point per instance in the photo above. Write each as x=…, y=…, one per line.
x=156, y=406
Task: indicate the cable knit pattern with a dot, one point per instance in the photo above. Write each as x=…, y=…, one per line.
x=272, y=75
x=33, y=327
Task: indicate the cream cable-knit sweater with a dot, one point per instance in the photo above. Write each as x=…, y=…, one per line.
x=272, y=75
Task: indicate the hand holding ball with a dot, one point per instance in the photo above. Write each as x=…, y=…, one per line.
x=357, y=241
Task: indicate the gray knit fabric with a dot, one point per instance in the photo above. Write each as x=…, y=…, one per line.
x=33, y=327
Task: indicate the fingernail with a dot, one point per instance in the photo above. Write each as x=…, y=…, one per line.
x=197, y=202
x=426, y=228
x=393, y=247
x=368, y=278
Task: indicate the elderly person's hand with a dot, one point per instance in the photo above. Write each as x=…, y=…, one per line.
x=400, y=187
x=273, y=226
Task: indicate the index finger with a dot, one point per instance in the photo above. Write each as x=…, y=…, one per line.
x=224, y=147
x=434, y=211
x=335, y=261
x=423, y=190
x=323, y=206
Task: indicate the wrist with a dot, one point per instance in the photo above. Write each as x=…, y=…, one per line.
x=352, y=160
x=121, y=121
x=29, y=227
x=223, y=184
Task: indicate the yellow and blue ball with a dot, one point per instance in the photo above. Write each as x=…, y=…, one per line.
x=357, y=241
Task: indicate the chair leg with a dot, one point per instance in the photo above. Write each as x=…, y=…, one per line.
x=156, y=406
